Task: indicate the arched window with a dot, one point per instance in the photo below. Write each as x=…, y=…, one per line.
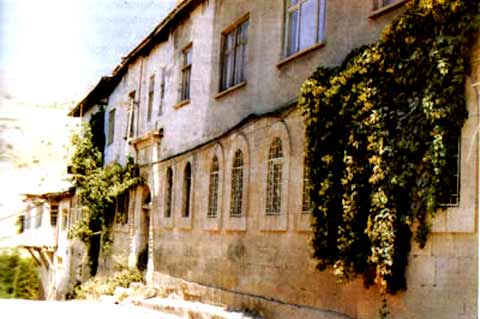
x=213, y=189
x=187, y=187
x=237, y=185
x=168, y=193
x=274, y=177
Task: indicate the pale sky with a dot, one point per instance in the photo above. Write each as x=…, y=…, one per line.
x=54, y=51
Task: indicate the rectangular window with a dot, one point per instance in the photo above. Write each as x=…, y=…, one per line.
x=64, y=218
x=305, y=25
x=53, y=214
x=38, y=216
x=151, y=91
x=378, y=4
x=131, y=115
x=161, y=93
x=186, y=74
x=121, y=216
x=111, y=126
x=234, y=55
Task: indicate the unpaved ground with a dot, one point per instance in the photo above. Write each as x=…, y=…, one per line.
x=19, y=309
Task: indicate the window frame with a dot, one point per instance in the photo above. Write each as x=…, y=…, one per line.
x=457, y=176
x=239, y=48
x=275, y=163
x=213, y=188
x=132, y=105
x=320, y=18
x=380, y=4
x=187, y=190
x=161, y=93
x=383, y=9
x=122, y=208
x=186, y=74
x=168, y=194
x=64, y=219
x=111, y=127
x=237, y=188
x=150, y=97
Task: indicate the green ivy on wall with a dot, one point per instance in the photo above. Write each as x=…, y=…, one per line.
x=97, y=187
x=379, y=129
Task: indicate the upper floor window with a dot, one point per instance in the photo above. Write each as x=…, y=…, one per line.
x=53, y=214
x=274, y=177
x=234, y=55
x=378, y=4
x=64, y=218
x=187, y=190
x=131, y=115
x=186, y=74
x=168, y=193
x=305, y=25
x=213, y=188
x=38, y=216
x=161, y=93
x=111, y=126
x=27, y=218
x=151, y=88
x=237, y=185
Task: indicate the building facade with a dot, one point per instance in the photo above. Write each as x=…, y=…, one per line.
x=206, y=105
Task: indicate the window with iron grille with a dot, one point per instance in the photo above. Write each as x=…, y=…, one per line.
x=378, y=4
x=234, y=55
x=237, y=185
x=306, y=200
x=168, y=193
x=305, y=25
x=111, y=126
x=274, y=177
x=151, y=91
x=213, y=188
x=187, y=188
x=186, y=74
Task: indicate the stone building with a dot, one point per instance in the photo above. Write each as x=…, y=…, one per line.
x=206, y=105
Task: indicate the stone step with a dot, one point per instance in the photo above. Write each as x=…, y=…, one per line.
x=190, y=309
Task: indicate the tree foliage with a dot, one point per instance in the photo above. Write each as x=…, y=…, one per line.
x=379, y=129
x=18, y=276
x=97, y=187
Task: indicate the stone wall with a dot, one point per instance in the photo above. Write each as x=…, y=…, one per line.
x=258, y=260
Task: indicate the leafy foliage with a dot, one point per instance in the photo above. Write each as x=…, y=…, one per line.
x=18, y=276
x=98, y=187
x=379, y=129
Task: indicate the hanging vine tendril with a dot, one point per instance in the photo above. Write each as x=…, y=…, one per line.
x=379, y=129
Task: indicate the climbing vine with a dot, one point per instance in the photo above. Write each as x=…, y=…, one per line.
x=97, y=187
x=379, y=129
